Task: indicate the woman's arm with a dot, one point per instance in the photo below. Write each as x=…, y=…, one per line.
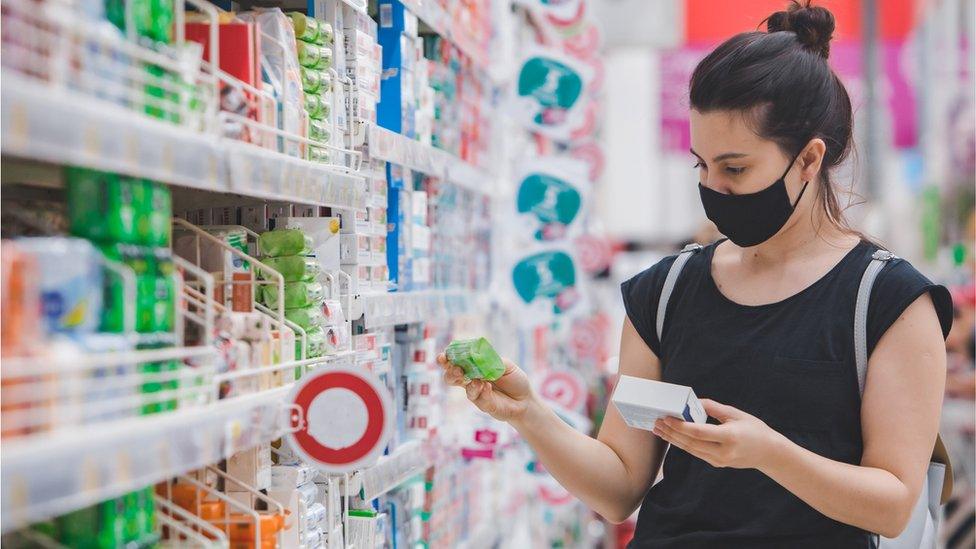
x=899, y=419
x=611, y=473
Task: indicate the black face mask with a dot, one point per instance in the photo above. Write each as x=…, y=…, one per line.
x=750, y=219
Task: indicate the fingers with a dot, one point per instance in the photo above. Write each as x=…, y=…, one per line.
x=453, y=375
x=700, y=431
x=721, y=412
x=702, y=449
x=479, y=392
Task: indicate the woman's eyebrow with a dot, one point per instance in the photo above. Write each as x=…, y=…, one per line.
x=723, y=156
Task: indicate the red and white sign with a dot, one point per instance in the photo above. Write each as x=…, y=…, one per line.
x=565, y=388
x=348, y=419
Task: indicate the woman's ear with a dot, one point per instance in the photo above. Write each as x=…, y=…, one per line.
x=811, y=158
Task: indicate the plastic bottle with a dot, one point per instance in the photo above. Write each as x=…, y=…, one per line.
x=477, y=358
x=294, y=268
x=281, y=242
x=297, y=294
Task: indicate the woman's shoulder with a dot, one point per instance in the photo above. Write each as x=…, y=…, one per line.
x=898, y=285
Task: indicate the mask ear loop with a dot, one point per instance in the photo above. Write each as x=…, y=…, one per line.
x=783, y=177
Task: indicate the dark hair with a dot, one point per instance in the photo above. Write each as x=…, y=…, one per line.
x=781, y=80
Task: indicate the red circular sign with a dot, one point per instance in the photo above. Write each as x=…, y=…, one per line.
x=373, y=400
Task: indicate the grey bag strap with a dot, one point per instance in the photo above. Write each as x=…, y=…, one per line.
x=673, y=273
x=878, y=260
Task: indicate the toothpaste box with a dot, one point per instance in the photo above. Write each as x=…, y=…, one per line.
x=642, y=401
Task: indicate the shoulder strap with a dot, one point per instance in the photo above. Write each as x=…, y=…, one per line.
x=673, y=273
x=878, y=260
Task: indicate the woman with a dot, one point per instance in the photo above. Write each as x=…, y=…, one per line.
x=760, y=326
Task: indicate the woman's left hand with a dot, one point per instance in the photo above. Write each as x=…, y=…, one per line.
x=742, y=441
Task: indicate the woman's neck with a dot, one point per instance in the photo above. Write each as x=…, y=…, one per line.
x=806, y=234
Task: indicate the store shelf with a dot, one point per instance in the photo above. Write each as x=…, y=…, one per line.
x=441, y=22
x=258, y=172
x=390, y=471
x=56, y=125
x=400, y=149
x=408, y=307
x=51, y=475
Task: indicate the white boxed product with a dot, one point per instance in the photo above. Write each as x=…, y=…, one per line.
x=418, y=206
x=421, y=238
x=354, y=221
x=642, y=401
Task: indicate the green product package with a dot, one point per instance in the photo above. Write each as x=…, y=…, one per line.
x=102, y=206
x=306, y=317
x=281, y=242
x=311, y=55
x=157, y=383
x=294, y=268
x=477, y=358
x=312, y=80
x=162, y=20
x=113, y=292
x=297, y=294
x=79, y=528
x=111, y=523
x=142, y=15
x=307, y=29
x=160, y=213
x=315, y=106
x=326, y=36
x=164, y=291
x=318, y=130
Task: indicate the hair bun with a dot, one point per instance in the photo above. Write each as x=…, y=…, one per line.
x=813, y=26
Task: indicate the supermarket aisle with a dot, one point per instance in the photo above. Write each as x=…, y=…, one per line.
x=237, y=235
x=234, y=241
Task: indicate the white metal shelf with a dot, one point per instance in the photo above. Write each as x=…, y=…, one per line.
x=399, y=149
x=393, y=308
x=390, y=471
x=60, y=126
x=49, y=474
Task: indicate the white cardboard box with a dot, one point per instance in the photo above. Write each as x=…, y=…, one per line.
x=642, y=401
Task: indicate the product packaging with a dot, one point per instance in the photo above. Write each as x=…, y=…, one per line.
x=70, y=282
x=297, y=294
x=477, y=358
x=281, y=242
x=642, y=401
x=294, y=268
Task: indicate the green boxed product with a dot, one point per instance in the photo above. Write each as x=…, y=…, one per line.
x=477, y=358
x=142, y=15
x=281, y=242
x=130, y=516
x=160, y=213
x=297, y=294
x=111, y=523
x=79, y=528
x=294, y=268
x=164, y=291
x=113, y=292
x=162, y=20
x=142, y=262
x=306, y=317
x=307, y=29
x=155, y=384
x=102, y=206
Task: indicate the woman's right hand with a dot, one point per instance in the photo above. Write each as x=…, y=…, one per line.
x=505, y=399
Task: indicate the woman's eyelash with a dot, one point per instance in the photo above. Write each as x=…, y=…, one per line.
x=698, y=165
x=735, y=171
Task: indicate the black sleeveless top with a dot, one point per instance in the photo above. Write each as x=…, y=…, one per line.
x=789, y=363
